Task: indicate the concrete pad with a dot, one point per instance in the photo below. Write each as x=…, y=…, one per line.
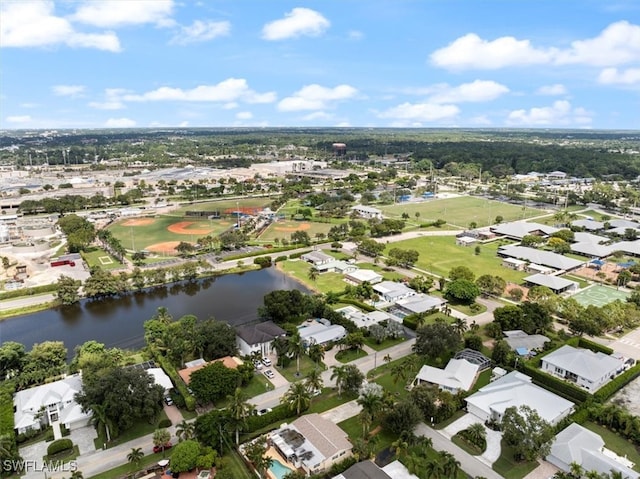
x=342, y=412
x=492, y=453
x=545, y=470
x=83, y=437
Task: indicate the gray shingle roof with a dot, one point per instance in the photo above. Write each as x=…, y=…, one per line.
x=544, y=258
x=520, y=229
x=553, y=282
x=260, y=332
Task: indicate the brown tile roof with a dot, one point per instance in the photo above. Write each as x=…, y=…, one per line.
x=230, y=362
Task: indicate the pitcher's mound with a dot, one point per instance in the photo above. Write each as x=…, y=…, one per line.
x=168, y=247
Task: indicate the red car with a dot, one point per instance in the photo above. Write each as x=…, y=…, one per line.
x=159, y=448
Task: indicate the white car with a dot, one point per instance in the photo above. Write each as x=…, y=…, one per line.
x=257, y=364
x=266, y=362
x=269, y=374
x=264, y=411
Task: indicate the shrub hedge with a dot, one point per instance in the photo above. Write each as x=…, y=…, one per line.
x=556, y=385
x=58, y=446
x=7, y=388
x=164, y=423
x=355, y=302
x=297, y=255
x=189, y=400
x=18, y=293
x=613, y=386
x=279, y=413
x=585, y=343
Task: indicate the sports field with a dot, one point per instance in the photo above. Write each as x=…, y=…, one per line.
x=225, y=205
x=438, y=254
x=461, y=211
x=282, y=229
x=164, y=233
x=598, y=295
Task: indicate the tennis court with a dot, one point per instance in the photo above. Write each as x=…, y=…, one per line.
x=598, y=295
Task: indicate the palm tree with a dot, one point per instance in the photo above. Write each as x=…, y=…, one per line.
x=160, y=438
x=339, y=373
x=476, y=434
x=100, y=419
x=314, y=381
x=316, y=353
x=366, y=421
x=185, y=430
x=398, y=371
x=77, y=475
x=449, y=464
x=387, y=358
x=239, y=409
x=371, y=404
x=135, y=457
x=433, y=469
x=297, y=397
x=460, y=325
x=313, y=273
x=280, y=346
x=399, y=447
x=296, y=348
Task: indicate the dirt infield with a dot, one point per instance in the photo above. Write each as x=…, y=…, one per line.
x=290, y=229
x=168, y=247
x=182, y=228
x=138, y=222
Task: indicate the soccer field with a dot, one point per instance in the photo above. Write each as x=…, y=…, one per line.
x=461, y=211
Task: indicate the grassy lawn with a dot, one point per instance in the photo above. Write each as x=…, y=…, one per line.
x=466, y=446
x=348, y=355
x=324, y=283
x=466, y=308
x=328, y=400
x=95, y=256
x=508, y=468
x=393, y=385
x=282, y=229
x=462, y=210
x=138, y=430
x=483, y=379
x=582, y=283
x=222, y=205
x=382, y=270
x=306, y=365
x=353, y=427
x=234, y=463
x=387, y=343
x=438, y=254
x=616, y=443
x=126, y=469
x=457, y=415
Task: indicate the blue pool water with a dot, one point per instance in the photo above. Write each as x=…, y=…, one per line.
x=278, y=469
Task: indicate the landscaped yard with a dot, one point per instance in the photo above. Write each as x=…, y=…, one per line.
x=616, y=443
x=328, y=400
x=439, y=254
x=348, y=355
x=461, y=211
x=387, y=343
x=126, y=469
x=509, y=468
x=324, y=283
x=95, y=256
x=139, y=429
x=306, y=365
x=353, y=427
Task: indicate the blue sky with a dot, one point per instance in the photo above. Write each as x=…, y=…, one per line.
x=360, y=63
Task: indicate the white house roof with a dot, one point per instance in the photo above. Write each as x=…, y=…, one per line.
x=544, y=258
x=317, y=256
x=590, y=225
x=584, y=237
x=584, y=447
x=624, y=224
x=363, y=275
x=583, y=362
x=592, y=249
x=420, y=303
x=555, y=283
x=516, y=389
x=320, y=333
x=631, y=247
x=457, y=374
x=160, y=378
x=520, y=229
x=367, y=209
x=392, y=288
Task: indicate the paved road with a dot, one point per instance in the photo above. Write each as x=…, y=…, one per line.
x=26, y=301
x=469, y=464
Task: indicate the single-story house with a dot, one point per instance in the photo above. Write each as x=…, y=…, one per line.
x=367, y=211
x=161, y=378
x=320, y=331
x=336, y=266
x=419, y=303
x=587, y=369
x=519, y=339
x=514, y=390
x=579, y=445
x=43, y=405
x=458, y=375
x=544, y=258
x=363, y=320
x=515, y=264
x=554, y=283
x=317, y=258
x=392, y=291
x=257, y=337
x=519, y=229
x=360, y=276
x=465, y=240
x=230, y=362
x=311, y=443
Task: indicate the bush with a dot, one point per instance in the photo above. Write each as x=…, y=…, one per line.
x=7, y=388
x=58, y=446
x=556, y=385
x=164, y=423
x=47, y=288
x=297, y=255
x=595, y=347
x=278, y=414
x=189, y=400
x=613, y=386
x=279, y=259
x=354, y=302
x=263, y=261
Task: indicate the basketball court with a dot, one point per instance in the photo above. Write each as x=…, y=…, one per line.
x=598, y=295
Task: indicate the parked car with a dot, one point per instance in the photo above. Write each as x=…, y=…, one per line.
x=168, y=401
x=257, y=364
x=269, y=374
x=159, y=448
x=266, y=362
x=264, y=411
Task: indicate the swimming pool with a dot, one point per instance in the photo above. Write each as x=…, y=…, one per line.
x=278, y=469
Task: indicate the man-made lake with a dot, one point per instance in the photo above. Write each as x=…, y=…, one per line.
x=117, y=322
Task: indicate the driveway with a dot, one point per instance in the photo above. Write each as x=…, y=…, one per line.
x=342, y=412
x=492, y=452
x=174, y=414
x=83, y=437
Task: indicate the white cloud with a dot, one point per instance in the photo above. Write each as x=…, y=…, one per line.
x=112, y=100
x=68, y=90
x=355, y=35
x=317, y=115
x=298, y=22
x=559, y=114
x=230, y=90
x=33, y=24
x=613, y=76
x=200, y=31
x=476, y=91
x=552, y=90
x=18, y=119
x=471, y=51
x=117, y=13
x=617, y=44
x=120, y=123
x=420, y=112
x=482, y=120
x=244, y=115
x=316, y=97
